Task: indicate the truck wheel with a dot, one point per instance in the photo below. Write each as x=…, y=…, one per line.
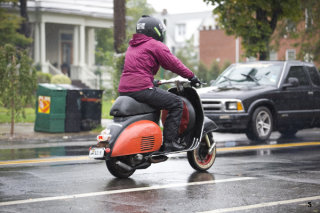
x=199, y=158
x=116, y=170
x=260, y=125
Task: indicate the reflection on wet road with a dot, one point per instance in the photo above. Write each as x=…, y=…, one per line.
x=281, y=175
x=12, y=154
x=227, y=144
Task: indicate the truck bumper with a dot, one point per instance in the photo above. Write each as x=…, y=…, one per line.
x=230, y=122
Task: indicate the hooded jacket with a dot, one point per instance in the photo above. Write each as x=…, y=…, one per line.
x=143, y=59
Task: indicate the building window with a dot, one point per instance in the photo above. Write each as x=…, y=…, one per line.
x=181, y=28
x=290, y=55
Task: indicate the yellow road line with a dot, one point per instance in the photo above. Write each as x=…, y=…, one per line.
x=51, y=160
x=269, y=146
x=225, y=149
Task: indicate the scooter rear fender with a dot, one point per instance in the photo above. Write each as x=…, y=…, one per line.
x=139, y=137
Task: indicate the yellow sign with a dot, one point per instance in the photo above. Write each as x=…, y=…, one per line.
x=44, y=104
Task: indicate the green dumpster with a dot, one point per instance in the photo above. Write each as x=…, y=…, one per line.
x=50, y=108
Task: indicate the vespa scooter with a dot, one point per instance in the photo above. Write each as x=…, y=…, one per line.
x=134, y=139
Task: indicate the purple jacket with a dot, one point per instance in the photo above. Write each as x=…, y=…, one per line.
x=143, y=59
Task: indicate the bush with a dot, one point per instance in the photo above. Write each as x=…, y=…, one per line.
x=43, y=77
x=60, y=79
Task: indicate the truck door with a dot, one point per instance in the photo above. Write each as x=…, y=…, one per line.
x=315, y=80
x=296, y=109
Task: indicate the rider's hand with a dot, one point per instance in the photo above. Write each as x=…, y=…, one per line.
x=156, y=83
x=195, y=82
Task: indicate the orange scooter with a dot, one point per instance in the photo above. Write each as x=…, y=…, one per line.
x=134, y=139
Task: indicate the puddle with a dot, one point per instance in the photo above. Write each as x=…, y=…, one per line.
x=14, y=154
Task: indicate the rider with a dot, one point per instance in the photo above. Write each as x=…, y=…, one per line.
x=145, y=54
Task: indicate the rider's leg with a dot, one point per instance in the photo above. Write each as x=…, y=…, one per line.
x=162, y=99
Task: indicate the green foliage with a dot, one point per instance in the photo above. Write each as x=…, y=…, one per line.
x=60, y=79
x=135, y=9
x=17, y=80
x=9, y=26
x=254, y=21
x=43, y=77
x=188, y=55
x=309, y=38
x=104, y=48
x=28, y=115
x=208, y=74
x=106, y=106
x=118, y=67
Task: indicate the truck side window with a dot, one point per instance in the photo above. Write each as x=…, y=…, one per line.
x=298, y=72
x=314, y=74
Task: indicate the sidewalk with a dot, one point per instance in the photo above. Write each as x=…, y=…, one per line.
x=24, y=135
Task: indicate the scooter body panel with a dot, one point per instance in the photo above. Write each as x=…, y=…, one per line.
x=139, y=137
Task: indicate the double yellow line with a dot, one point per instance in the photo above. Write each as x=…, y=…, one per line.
x=269, y=146
x=224, y=149
x=49, y=160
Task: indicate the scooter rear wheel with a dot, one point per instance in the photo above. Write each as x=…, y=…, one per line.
x=199, y=158
x=116, y=170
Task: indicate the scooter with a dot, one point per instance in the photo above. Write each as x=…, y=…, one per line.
x=134, y=139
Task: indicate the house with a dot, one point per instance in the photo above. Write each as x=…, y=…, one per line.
x=216, y=46
x=63, y=33
x=182, y=27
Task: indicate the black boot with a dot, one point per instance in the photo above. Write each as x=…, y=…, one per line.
x=172, y=146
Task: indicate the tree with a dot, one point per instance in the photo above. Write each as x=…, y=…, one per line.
x=17, y=80
x=9, y=26
x=17, y=76
x=119, y=20
x=254, y=21
x=135, y=9
x=104, y=48
x=25, y=26
x=309, y=35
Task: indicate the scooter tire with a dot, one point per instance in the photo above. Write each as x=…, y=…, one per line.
x=199, y=159
x=116, y=170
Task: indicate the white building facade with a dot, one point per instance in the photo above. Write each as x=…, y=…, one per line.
x=63, y=32
x=183, y=27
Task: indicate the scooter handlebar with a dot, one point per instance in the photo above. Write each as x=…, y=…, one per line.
x=177, y=80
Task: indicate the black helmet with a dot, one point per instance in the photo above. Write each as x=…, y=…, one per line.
x=151, y=27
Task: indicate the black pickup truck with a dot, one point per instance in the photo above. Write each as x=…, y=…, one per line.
x=259, y=97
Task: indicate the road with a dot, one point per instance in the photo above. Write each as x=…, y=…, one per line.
x=280, y=176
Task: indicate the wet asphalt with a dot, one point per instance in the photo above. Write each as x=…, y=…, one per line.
x=271, y=179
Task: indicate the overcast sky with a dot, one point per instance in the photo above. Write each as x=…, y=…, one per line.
x=180, y=6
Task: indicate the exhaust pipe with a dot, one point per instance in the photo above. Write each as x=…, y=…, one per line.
x=124, y=166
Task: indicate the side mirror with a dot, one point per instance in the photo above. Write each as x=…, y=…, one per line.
x=292, y=82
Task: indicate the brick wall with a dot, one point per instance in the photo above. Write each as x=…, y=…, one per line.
x=215, y=45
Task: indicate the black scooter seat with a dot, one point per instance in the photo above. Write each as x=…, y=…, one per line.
x=127, y=106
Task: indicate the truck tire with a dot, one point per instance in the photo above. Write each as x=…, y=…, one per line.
x=260, y=125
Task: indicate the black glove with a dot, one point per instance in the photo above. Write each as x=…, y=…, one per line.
x=195, y=82
x=156, y=83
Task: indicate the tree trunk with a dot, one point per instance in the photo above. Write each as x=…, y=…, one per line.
x=12, y=117
x=119, y=19
x=25, y=27
x=12, y=103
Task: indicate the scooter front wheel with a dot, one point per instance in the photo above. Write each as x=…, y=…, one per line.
x=200, y=159
x=116, y=168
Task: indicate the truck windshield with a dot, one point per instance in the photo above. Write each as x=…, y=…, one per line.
x=250, y=74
